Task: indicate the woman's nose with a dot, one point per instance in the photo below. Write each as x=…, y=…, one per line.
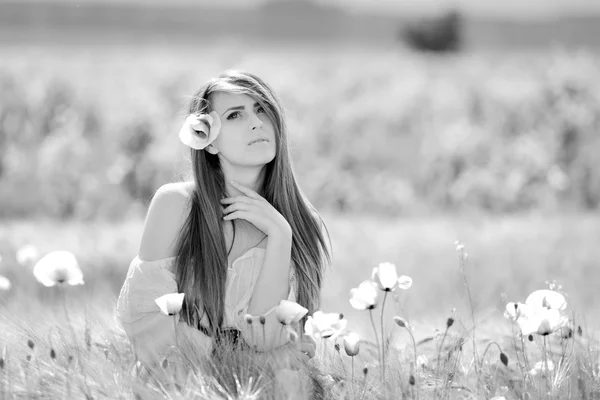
x=256, y=122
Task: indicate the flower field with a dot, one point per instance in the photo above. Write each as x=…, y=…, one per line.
x=508, y=259
x=403, y=153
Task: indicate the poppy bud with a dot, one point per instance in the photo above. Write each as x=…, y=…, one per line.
x=262, y=320
x=400, y=322
x=30, y=344
x=449, y=322
x=365, y=371
x=52, y=354
x=411, y=380
x=504, y=359
x=248, y=319
x=351, y=344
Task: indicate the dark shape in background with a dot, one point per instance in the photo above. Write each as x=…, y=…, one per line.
x=440, y=34
x=278, y=21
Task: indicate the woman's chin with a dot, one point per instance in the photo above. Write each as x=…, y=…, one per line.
x=255, y=162
x=261, y=158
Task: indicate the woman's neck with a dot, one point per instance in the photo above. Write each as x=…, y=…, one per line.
x=252, y=178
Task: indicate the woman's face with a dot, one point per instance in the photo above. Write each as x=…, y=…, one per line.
x=247, y=136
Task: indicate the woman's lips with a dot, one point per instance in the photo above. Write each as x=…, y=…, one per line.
x=261, y=140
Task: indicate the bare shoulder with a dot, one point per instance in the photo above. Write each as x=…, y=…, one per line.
x=166, y=215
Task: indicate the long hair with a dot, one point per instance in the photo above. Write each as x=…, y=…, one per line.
x=201, y=259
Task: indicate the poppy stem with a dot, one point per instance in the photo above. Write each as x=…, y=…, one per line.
x=341, y=360
x=412, y=338
x=64, y=301
x=383, y=337
x=376, y=339
x=545, y=368
x=525, y=360
x=175, y=328
x=353, y=392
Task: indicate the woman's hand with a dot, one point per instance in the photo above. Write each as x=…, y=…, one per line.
x=295, y=356
x=255, y=209
x=307, y=346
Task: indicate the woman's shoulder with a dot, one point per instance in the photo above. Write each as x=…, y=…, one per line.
x=182, y=190
x=166, y=215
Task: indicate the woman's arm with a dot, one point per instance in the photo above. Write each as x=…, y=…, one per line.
x=272, y=284
x=166, y=215
x=152, y=334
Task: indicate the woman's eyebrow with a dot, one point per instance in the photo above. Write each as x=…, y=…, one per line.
x=238, y=108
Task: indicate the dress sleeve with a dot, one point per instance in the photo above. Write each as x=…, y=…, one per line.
x=151, y=333
x=272, y=334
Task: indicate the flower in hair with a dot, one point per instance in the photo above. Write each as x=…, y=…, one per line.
x=200, y=130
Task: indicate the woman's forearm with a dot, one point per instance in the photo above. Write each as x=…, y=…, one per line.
x=273, y=280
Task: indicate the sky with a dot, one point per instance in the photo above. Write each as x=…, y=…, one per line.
x=519, y=9
x=506, y=8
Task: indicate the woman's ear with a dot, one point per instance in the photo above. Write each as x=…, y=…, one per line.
x=211, y=149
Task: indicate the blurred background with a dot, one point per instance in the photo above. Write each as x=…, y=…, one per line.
x=412, y=124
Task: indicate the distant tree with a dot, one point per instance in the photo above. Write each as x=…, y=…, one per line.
x=439, y=34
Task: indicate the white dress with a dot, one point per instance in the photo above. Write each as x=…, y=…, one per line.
x=152, y=333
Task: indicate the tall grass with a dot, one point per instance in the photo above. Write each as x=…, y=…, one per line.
x=513, y=256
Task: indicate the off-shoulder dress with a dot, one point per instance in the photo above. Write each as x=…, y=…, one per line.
x=152, y=333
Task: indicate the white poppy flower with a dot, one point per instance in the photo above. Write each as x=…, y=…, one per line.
x=289, y=312
x=5, y=283
x=548, y=299
x=405, y=282
x=325, y=325
x=58, y=267
x=27, y=255
x=364, y=297
x=171, y=303
x=200, y=130
x=534, y=319
x=351, y=344
x=385, y=275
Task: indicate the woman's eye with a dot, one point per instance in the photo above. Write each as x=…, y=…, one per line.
x=231, y=116
x=260, y=110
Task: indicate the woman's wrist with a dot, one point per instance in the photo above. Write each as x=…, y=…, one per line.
x=281, y=232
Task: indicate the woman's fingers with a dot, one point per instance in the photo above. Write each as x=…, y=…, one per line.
x=239, y=215
x=307, y=349
x=237, y=207
x=241, y=199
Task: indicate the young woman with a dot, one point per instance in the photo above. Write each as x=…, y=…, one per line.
x=236, y=240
